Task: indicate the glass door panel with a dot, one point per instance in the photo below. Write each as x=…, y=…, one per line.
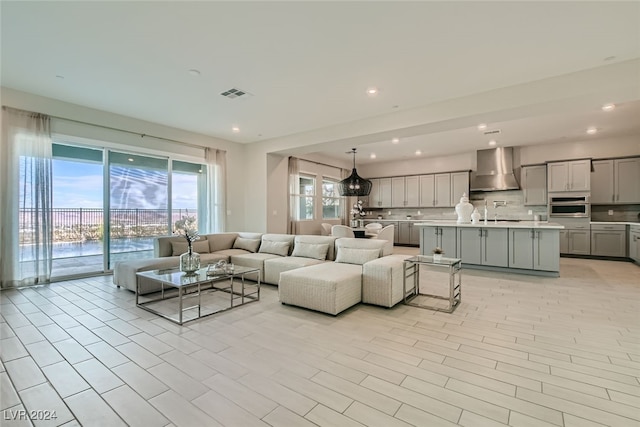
x=187, y=180
x=138, y=205
x=77, y=219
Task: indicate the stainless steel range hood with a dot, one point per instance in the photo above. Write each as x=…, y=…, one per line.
x=494, y=170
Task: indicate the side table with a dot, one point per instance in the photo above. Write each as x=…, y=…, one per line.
x=411, y=281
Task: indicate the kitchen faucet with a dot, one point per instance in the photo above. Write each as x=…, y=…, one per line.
x=496, y=205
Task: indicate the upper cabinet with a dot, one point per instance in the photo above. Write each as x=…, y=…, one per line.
x=572, y=175
x=615, y=181
x=380, y=196
x=424, y=191
x=459, y=186
x=405, y=192
x=534, y=185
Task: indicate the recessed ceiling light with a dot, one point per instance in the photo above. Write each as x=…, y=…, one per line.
x=373, y=155
x=235, y=129
x=493, y=142
x=592, y=130
x=372, y=91
x=482, y=126
x=130, y=159
x=395, y=141
x=418, y=152
x=608, y=107
x=194, y=72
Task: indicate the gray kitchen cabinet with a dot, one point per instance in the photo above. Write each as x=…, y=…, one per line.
x=609, y=240
x=634, y=243
x=380, y=195
x=459, y=186
x=442, y=190
x=534, y=185
x=427, y=190
x=579, y=242
x=534, y=249
x=438, y=237
x=435, y=190
x=483, y=246
x=626, y=180
x=408, y=234
x=405, y=191
x=572, y=175
x=615, y=181
x=564, y=241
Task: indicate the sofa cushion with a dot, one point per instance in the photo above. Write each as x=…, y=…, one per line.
x=329, y=240
x=311, y=250
x=221, y=241
x=250, y=245
x=275, y=248
x=199, y=246
x=287, y=238
x=356, y=255
x=274, y=266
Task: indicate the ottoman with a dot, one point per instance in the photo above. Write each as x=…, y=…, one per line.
x=382, y=280
x=329, y=287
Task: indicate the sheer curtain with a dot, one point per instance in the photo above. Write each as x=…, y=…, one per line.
x=294, y=199
x=216, y=205
x=26, y=198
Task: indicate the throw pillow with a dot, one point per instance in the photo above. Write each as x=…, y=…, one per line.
x=199, y=246
x=356, y=256
x=250, y=245
x=311, y=250
x=275, y=248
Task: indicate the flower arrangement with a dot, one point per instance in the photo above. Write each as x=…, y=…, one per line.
x=187, y=227
x=438, y=250
x=358, y=210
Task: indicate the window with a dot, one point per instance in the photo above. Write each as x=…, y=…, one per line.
x=87, y=238
x=307, y=191
x=330, y=199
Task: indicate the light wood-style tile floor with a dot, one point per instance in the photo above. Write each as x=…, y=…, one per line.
x=519, y=351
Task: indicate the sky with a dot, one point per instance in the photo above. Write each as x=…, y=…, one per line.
x=80, y=185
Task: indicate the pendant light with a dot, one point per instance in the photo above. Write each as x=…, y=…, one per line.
x=354, y=185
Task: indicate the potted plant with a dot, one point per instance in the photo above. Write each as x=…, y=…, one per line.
x=437, y=254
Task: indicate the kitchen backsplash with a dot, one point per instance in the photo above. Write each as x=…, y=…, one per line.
x=623, y=213
x=514, y=208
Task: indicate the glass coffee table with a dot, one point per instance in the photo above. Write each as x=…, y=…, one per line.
x=198, y=295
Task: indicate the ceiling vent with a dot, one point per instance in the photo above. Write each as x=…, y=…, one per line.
x=234, y=93
x=492, y=132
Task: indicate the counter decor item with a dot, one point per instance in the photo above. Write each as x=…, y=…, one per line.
x=437, y=254
x=357, y=213
x=464, y=210
x=475, y=216
x=187, y=227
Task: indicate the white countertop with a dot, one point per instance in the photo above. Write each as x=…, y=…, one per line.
x=492, y=224
x=616, y=222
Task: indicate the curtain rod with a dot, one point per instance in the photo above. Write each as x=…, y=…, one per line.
x=318, y=163
x=142, y=135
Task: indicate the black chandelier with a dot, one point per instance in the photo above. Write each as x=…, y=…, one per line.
x=354, y=185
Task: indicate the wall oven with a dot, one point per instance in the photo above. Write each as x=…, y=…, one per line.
x=569, y=205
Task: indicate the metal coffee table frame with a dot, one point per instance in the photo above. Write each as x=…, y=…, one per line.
x=198, y=282
x=411, y=281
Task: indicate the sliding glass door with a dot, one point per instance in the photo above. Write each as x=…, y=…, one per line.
x=77, y=214
x=108, y=206
x=138, y=204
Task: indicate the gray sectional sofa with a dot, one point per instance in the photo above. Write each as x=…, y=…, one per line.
x=322, y=273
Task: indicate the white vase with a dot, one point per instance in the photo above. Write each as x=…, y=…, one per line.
x=437, y=257
x=464, y=210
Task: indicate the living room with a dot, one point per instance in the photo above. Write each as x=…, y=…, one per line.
x=519, y=350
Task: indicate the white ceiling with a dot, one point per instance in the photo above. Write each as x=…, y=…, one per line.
x=307, y=65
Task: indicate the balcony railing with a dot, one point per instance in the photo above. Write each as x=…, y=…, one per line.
x=83, y=224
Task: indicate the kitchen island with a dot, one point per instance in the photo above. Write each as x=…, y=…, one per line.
x=524, y=247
